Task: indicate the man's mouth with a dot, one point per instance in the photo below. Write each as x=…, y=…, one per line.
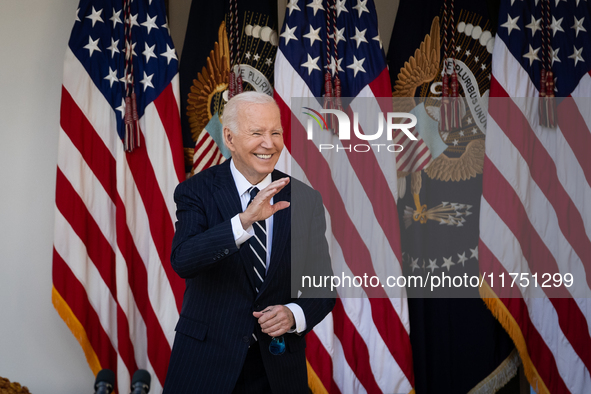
x=264, y=157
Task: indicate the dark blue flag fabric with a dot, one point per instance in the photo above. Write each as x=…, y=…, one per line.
x=458, y=345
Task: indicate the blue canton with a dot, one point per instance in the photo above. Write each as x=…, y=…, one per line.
x=360, y=55
x=98, y=42
x=520, y=25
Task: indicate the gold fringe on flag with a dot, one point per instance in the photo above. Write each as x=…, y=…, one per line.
x=316, y=385
x=65, y=312
x=502, y=314
x=500, y=376
x=314, y=382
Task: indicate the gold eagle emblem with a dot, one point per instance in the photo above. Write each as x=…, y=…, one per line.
x=458, y=162
x=206, y=96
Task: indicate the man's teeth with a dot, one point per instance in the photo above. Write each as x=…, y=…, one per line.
x=263, y=156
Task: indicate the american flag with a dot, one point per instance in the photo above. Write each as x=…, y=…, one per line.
x=112, y=281
x=363, y=345
x=535, y=213
x=207, y=151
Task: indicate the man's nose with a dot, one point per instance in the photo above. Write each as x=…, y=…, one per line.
x=267, y=141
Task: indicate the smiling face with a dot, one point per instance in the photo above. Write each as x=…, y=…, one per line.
x=258, y=142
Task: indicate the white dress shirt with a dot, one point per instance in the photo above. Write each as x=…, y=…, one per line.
x=241, y=235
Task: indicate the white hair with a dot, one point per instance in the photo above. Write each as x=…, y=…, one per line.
x=232, y=107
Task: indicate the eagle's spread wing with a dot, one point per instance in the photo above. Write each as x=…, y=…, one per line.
x=205, y=98
x=422, y=67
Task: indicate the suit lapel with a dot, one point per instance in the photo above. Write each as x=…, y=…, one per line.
x=228, y=202
x=281, y=231
x=225, y=194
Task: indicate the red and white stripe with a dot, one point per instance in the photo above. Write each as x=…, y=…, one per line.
x=207, y=153
x=363, y=346
x=114, y=226
x=536, y=217
x=415, y=155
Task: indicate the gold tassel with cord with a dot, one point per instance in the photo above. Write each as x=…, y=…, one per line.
x=547, y=100
x=445, y=109
x=456, y=109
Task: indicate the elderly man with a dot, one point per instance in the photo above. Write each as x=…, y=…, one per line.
x=240, y=329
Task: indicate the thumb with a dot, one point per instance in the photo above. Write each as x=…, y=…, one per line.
x=280, y=205
x=257, y=314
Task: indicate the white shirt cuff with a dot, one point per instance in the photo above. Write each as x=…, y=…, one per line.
x=298, y=315
x=240, y=235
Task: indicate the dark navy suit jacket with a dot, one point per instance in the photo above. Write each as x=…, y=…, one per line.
x=216, y=323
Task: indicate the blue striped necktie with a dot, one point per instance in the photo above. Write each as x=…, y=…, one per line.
x=258, y=245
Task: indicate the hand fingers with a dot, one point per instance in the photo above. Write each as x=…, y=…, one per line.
x=276, y=332
x=274, y=328
x=260, y=207
x=277, y=316
x=273, y=188
x=278, y=206
x=281, y=182
x=272, y=315
x=264, y=315
x=274, y=320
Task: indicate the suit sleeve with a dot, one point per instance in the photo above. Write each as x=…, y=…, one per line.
x=196, y=246
x=316, y=302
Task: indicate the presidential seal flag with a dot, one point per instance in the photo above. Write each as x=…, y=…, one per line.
x=534, y=218
x=229, y=47
x=458, y=346
x=330, y=54
x=120, y=158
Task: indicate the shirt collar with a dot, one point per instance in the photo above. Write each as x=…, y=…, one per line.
x=242, y=184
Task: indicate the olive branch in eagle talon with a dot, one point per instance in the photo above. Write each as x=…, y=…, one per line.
x=446, y=213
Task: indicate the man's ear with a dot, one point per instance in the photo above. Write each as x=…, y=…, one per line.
x=228, y=138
